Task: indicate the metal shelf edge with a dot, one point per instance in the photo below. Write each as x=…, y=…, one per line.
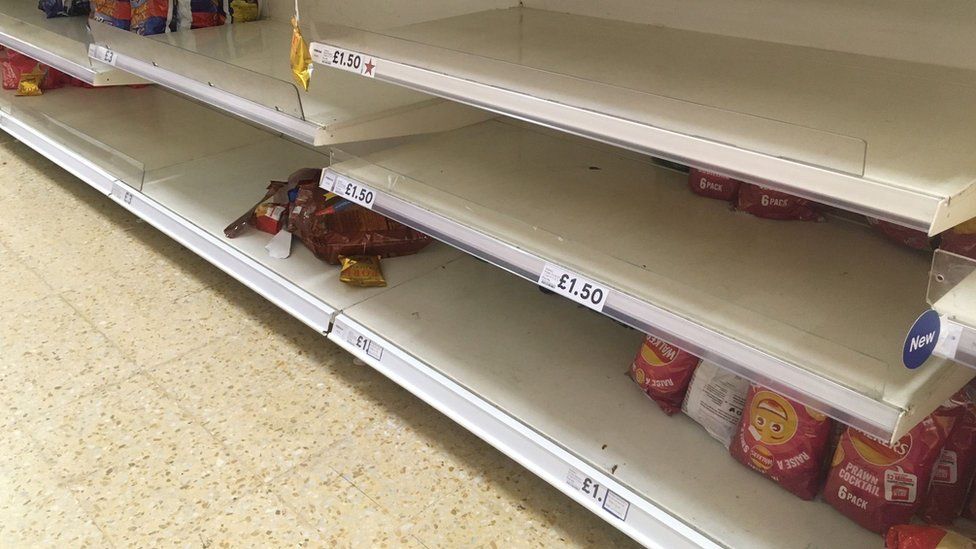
x=85, y=74
x=262, y=115
x=645, y=522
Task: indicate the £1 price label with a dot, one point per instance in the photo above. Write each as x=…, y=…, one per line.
x=346, y=60
x=365, y=344
x=605, y=498
x=354, y=191
x=569, y=284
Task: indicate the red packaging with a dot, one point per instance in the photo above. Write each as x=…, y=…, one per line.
x=783, y=440
x=331, y=226
x=713, y=185
x=912, y=536
x=770, y=204
x=961, y=239
x=663, y=371
x=902, y=235
x=955, y=467
x=17, y=64
x=878, y=486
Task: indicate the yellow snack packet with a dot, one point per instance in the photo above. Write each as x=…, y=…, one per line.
x=362, y=270
x=244, y=11
x=301, y=59
x=30, y=83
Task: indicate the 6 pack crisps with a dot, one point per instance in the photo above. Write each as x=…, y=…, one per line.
x=879, y=485
x=954, y=470
x=783, y=440
x=771, y=204
x=713, y=185
x=915, y=536
x=663, y=371
x=715, y=400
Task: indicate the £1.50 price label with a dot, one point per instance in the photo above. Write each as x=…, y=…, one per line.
x=569, y=284
x=367, y=345
x=346, y=60
x=607, y=499
x=348, y=189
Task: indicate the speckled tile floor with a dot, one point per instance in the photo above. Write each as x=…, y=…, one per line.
x=148, y=400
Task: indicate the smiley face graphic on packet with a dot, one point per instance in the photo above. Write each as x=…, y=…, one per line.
x=772, y=419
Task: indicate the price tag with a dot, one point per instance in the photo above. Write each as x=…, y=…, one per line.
x=368, y=346
x=569, y=284
x=349, y=189
x=101, y=53
x=606, y=498
x=346, y=60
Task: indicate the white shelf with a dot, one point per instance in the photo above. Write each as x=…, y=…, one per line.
x=878, y=136
x=818, y=311
x=191, y=185
x=549, y=389
x=60, y=42
x=244, y=69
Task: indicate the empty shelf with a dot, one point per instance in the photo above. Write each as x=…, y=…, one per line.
x=549, y=388
x=60, y=42
x=818, y=311
x=887, y=138
x=244, y=69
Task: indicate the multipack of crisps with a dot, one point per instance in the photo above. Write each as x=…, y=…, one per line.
x=783, y=440
x=663, y=371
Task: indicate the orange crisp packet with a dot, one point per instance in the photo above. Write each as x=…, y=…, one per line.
x=362, y=270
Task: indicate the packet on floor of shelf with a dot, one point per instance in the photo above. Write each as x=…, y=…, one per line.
x=244, y=11
x=771, y=204
x=362, y=270
x=715, y=399
x=117, y=13
x=783, y=440
x=63, y=8
x=663, y=371
x=713, y=185
x=331, y=226
x=905, y=236
x=198, y=14
x=961, y=239
x=916, y=536
x=879, y=486
x=269, y=215
x=955, y=468
x=150, y=17
x=17, y=65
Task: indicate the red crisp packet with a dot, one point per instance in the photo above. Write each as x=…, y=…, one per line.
x=713, y=185
x=879, y=486
x=663, y=371
x=783, y=440
x=955, y=467
x=902, y=235
x=770, y=204
x=913, y=536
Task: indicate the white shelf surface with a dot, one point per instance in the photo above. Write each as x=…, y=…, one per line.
x=192, y=184
x=549, y=388
x=818, y=311
x=244, y=69
x=61, y=42
x=883, y=137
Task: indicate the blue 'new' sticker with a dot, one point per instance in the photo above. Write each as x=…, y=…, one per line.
x=921, y=339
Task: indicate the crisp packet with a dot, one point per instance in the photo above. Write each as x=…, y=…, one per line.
x=30, y=83
x=301, y=60
x=362, y=270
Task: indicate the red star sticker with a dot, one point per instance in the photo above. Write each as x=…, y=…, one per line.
x=369, y=68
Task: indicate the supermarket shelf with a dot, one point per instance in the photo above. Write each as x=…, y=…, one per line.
x=549, y=390
x=191, y=192
x=952, y=293
x=784, y=304
x=60, y=42
x=244, y=70
x=883, y=137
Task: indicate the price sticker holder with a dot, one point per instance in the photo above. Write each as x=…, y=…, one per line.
x=349, y=189
x=607, y=499
x=347, y=60
x=571, y=285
